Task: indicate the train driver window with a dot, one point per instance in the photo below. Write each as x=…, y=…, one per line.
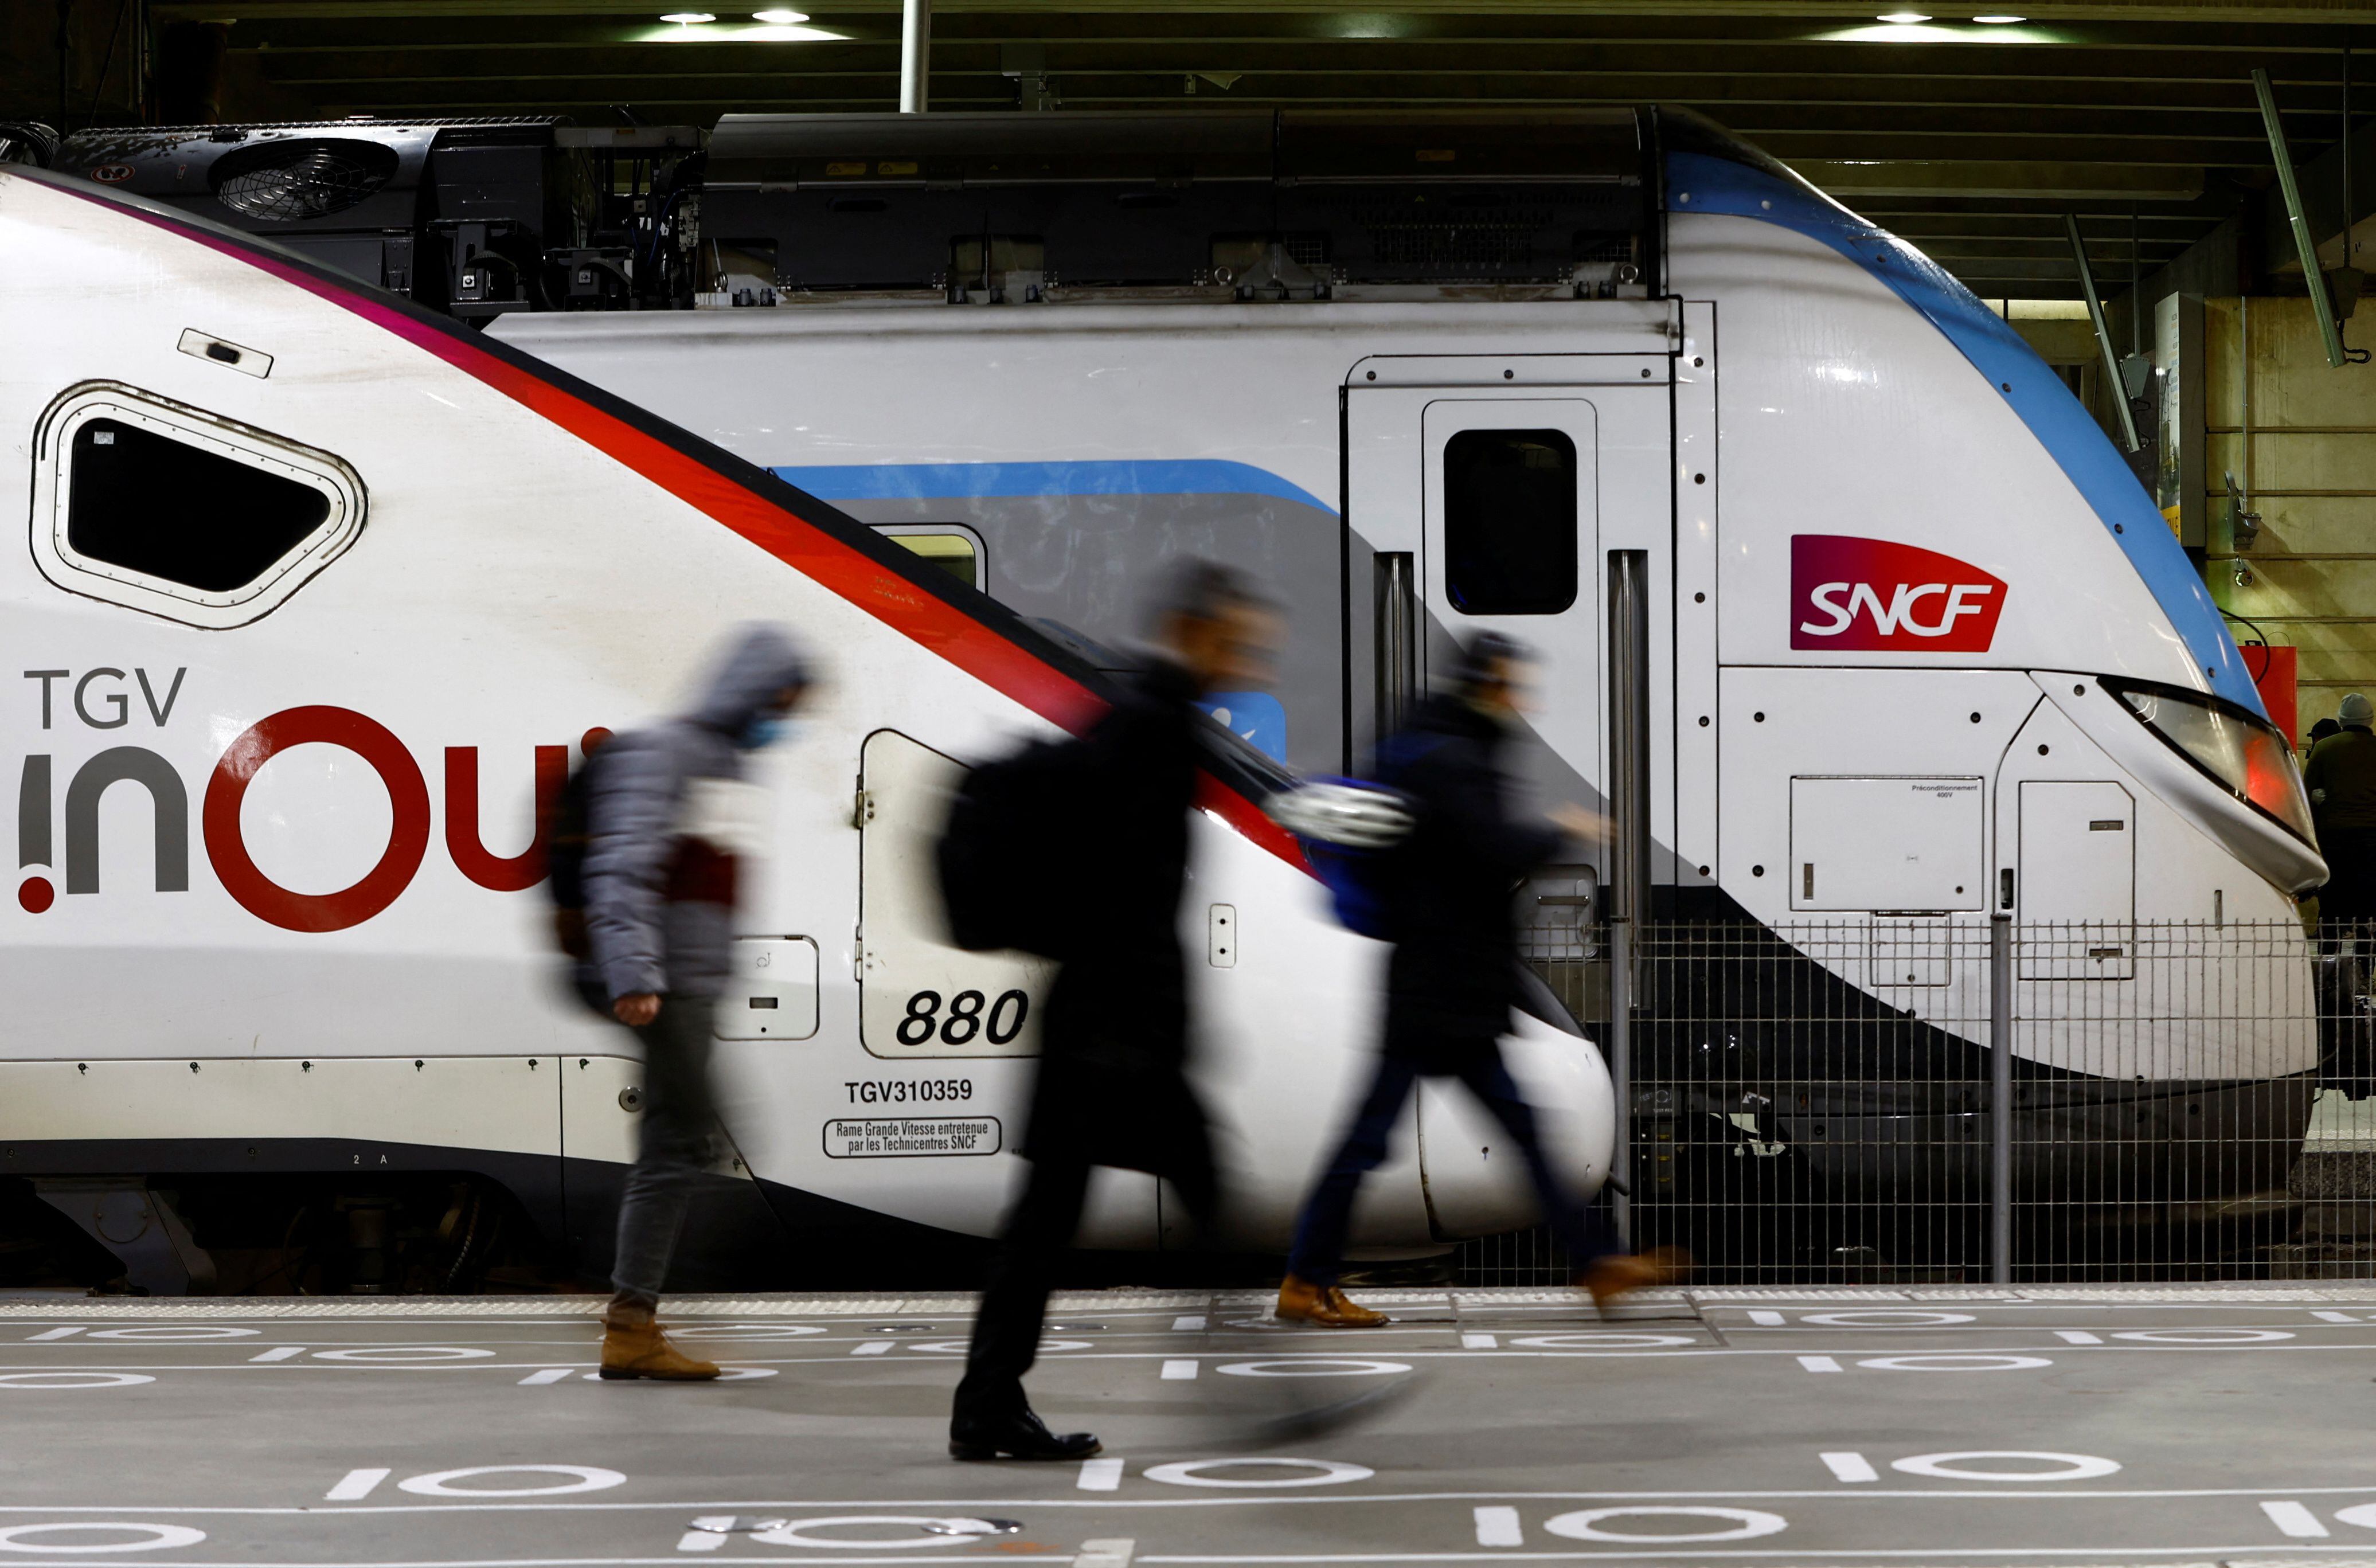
x=955, y=549
x=160, y=507
x=1509, y=521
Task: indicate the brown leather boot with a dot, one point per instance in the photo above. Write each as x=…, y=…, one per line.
x=1611, y=1278
x=632, y=1346
x=1300, y=1301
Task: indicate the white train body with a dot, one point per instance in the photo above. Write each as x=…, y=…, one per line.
x=269, y=916
x=1895, y=586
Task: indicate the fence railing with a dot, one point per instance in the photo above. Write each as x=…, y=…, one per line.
x=1819, y=1102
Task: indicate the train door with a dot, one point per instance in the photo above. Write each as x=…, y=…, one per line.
x=2067, y=844
x=1483, y=494
x=923, y=999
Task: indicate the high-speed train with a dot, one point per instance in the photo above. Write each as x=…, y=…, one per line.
x=1923, y=651
x=322, y=594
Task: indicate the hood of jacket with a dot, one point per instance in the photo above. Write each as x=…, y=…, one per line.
x=761, y=661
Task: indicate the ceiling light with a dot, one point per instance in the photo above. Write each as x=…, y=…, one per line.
x=688, y=18
x=780, y=18
x=1902, y=19
x=1998, y=19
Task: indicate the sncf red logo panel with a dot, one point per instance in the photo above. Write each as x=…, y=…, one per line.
x=1870, y=596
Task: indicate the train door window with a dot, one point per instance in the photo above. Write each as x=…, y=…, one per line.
x=1509, y=521
x=161, y=507
x=955, y=549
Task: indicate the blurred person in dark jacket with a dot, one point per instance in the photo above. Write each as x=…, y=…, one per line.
x=1112, y=1087
x=668, y=818
x=2341, y=778
x=1448, y=892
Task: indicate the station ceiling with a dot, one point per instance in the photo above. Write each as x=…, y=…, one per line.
x=1970, y=138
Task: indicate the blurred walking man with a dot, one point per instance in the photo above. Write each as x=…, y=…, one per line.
x=1112, y=1087
x=1448, y=891
x=668, y=817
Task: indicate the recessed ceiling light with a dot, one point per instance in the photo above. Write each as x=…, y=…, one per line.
x=1902, y=19
x=780, y=18
x=1997, y=18
x=688, y=18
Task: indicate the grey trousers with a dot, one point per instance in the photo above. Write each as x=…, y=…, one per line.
x=673, y=1146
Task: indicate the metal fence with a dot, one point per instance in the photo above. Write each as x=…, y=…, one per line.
x=1816, y=1103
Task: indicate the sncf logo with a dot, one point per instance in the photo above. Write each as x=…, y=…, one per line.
x=1869, y=595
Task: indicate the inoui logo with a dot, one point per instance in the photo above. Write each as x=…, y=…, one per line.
x=1869, y=595
x=226, y=788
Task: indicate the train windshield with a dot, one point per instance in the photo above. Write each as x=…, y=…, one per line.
x=2241, y=752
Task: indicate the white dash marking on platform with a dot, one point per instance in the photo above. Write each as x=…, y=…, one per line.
x=2295, y=1520
x=700, y=1541
x=2323, y=1317
x=1819, y=1363
x=1179, y=1372
x=871, y=1347
x=1480, y=1342
x=1100, y=1475
x=356, y=1484
x=550, y=1374
x=69, y=1332
x=1191, y=1323
x=283, y=1353
x=1105, y=1554
x=2078, y=1337
x=1768, y=1320
x=1500, y=1526
x=1850, y=1467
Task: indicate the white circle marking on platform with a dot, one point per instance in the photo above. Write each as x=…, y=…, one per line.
x=2204, y=1336
x=958, y=1346
x=790, y=1533
x=401, y=1355
x=2075, y=1467
x=189, y=1332
x=2360, y=1514
x=80, y=1380
x=1747, y=1523
x=582, y=1477
x=1326, y=1472
x=1955, y=1363
x=1601, y=1341
x=1887, y=1318
x=159, y=1536
x=744, y=1331
x=1314, y=1366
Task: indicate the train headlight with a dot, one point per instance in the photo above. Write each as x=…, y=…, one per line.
x=2243, y=752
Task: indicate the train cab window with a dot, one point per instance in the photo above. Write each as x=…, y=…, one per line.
x=955, y=550
x=164, y=508
x=1509, y=521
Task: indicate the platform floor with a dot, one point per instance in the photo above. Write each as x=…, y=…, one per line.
x=1869, y=1426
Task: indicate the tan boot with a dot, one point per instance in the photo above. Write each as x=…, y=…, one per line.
x=1611, y=1278
x=632, y=1346
x=1300, y=1301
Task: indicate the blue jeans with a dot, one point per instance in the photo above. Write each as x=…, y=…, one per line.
x=673, y=1146
x=1320, y=1234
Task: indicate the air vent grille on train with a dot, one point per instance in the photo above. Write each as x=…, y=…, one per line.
x=288, y=181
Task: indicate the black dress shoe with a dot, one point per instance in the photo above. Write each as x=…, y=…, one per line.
x=1019, y=1436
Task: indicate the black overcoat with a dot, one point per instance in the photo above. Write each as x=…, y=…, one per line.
x=1112, y=1087
x=1450, y=887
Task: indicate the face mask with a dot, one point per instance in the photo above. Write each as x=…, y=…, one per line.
x=765, y=730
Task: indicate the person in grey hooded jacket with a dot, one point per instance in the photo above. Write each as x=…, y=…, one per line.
x=668, y=819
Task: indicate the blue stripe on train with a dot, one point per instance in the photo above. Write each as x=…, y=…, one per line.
x=939, y=481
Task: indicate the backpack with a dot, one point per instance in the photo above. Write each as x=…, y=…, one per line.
x=568, y=834
x=1001, y=858
x=1352, y=831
